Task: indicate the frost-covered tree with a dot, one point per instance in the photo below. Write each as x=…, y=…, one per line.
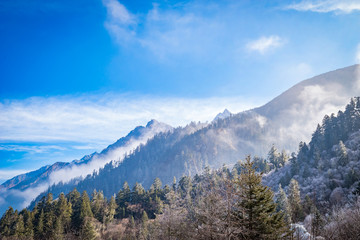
x=283, y=204
x=273, y=157
x=295, y=201
x=342, y=154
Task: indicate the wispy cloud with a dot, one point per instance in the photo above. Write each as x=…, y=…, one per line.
x=265, y=44
x=120, y=22
x=101, y=119
x=166, y=32
x=9, y=173
x=34, y=149
x=324, y=6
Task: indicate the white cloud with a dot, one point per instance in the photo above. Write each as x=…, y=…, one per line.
x=33, y=149
x=264, y=44
x=166, y=32
x=101, y=119
x=118, y=13
x=8, y=173
x=120, y=22
x=324, y=6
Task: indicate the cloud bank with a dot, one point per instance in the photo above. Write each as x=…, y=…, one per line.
x=99, y=119
x=325, y=6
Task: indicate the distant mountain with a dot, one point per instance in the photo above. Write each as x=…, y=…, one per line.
x=226, y=113
x=42, y=178
x=284, y=121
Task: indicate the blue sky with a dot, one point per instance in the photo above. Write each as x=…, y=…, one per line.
x=77, y=75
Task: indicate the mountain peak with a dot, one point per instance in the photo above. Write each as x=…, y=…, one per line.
x=152, y=122
x=226, y=113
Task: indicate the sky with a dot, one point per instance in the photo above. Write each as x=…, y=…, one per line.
x=77, y=75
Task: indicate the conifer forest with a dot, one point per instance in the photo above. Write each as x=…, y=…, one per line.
x=311, y=194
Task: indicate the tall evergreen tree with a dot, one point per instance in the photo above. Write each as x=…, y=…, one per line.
x=273, y=157
x=49, y=216
x=40, y=226
x=256, y=210
x=111, y=210
x=19, y=227
x=283, y=204
x=87, y=230
x=6, y=222
x=342, y=154
x=63, y=212
x=85, y=210
x=28, y=224
x=144, y=226
x=295, y=201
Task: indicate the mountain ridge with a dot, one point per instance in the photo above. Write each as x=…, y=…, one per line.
x=189, y=149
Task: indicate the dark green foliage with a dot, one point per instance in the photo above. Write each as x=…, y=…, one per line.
x=63, y=212
x=87, y=230
x=255, y=211
x=7, y=222
x=317, y=222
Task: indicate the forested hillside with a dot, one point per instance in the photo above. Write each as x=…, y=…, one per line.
x=317, y=195
x=284, y=121
x=215, y=205
x=182, y=151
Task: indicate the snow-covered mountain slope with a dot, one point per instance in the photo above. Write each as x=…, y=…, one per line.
x=284, y=121
x=226, y=113
x=39, y=180
x=292, y=115
x=225, y=141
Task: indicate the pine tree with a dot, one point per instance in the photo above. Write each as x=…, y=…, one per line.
x=58, y=233
x=342, y=154
x=87, y=230
x=256, y=211
x=308, y=204
x=19, y=228
x=98, y=204
x=28, y=224
x=111, y=210
x=159, y=205
x=122, y=198
x=144, y=226
x=49, y=216
x=273, y=157
x=283, y=158
x=64, y=212
x=74, y=198
x=40, y=226
x=6, y=222
x=85, y=210
x=283, y=204
x=157, y=186
x=294, y=168
x=295, y=201
x=317, y=222
x=137, y=193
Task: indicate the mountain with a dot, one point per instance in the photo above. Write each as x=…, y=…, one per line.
x=226, y=113
x=39, y=180
x=284, y=121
